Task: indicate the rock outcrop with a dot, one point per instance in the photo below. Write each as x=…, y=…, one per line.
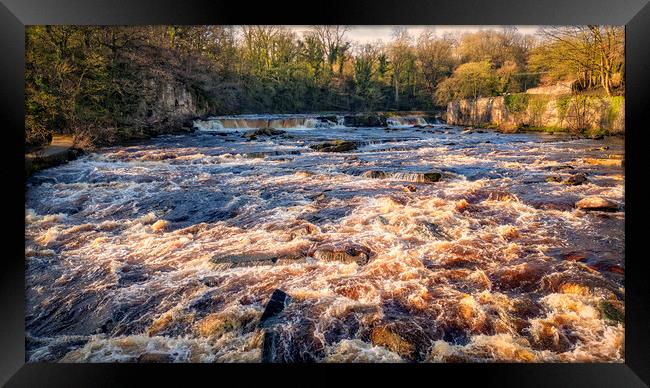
x=560, y=112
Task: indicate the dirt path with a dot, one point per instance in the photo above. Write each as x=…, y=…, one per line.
x=56, y=153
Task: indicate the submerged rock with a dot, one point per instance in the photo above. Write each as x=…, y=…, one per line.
x=343, y=252
x=596, y=203
x=335, y=146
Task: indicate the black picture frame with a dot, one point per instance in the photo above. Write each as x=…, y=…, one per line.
x=634, y=14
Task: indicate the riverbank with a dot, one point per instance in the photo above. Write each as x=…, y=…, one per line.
x=59, y=151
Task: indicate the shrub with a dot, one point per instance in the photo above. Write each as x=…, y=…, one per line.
x=517, y=103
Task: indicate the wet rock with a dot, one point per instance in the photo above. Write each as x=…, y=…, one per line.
x=383, y=336
x=502, y=195
x=263, y=132
x=276, y=304
x=432, y=176
x=293, y=230
x=462, y=206
x=595, y=203
x=343, y=252
x=160, y=225
x=574, y=256
x=326, y=215
x=365, y=120
x=382, y=220
x=373, y=174
x=329, y=118
x=154, y=358
x=410, y=188
x=612, y=311
x=605, y=162
x=259, y=258
x=426, y=177
x=525, y=276
x=404, y=338
x=270, y=343
x=292, y=344
x=554, y=178
x=560, y=167
x=335, y=146
x=428, y=231
x=456, y=336
x=576, y=179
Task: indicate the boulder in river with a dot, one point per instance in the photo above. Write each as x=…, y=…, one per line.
x=344, y=252
x=263, y=132
x=410, y=188
x=407, y=339
x=432, y=176
x=554, y=178
x=431, y=231
x=612, y=311
x=596, y=203
x=250, y=259
x=276, y=304
x=576, y=179
x=335, y=146
x=560, y=167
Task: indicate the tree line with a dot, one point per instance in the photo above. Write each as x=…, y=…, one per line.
x=88, y=78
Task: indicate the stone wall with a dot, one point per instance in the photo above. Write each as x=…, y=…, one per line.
x=562, y=112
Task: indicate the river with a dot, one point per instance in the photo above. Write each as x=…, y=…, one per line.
x=169, y=249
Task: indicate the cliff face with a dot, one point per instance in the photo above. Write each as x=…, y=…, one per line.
x=170, y=102
x=565, y=112
x=164, y=106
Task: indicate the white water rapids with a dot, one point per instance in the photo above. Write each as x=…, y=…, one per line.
x=149, y=252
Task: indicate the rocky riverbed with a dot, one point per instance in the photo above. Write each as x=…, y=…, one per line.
x=413, y=242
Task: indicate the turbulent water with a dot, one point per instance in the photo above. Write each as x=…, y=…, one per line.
x=169, y=250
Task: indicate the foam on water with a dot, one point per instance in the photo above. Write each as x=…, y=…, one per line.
x=139, y=253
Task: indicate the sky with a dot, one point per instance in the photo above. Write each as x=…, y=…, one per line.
x=368, y=34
